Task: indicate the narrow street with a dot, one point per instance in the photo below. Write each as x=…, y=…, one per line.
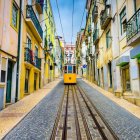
x=69, y=69
x=40, y=122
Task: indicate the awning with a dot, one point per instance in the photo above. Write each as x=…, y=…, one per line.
x=135, y=53
x=122, y=61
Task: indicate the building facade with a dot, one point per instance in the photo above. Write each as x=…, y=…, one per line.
x=9, y=27
x=27, y=48
x=58, y=57
x=49, y=43
x=111, y=36
x=31, y=49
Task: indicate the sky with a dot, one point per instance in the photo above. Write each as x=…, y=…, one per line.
x=65, y=8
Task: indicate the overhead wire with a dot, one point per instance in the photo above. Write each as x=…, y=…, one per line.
x=60, y=19
x=82, y=17
x=72, y=22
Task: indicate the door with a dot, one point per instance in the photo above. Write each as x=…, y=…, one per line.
x=102, y=72
x=98, y=77
x=35, y=80
x=9, y=82
x=126, y=79
x=110, y=74
x=26, y=81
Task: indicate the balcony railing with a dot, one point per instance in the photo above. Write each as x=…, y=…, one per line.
x=37, y=62
x=30, y=58
x=95, y=36
x=31, y=15
x=39, y=6
x=94, y=13
x=89, y=29
x=133, y=26
x=105, y=17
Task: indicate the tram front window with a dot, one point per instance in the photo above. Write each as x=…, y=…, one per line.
x=74, y=69
x=69, y=69
x=65, y=70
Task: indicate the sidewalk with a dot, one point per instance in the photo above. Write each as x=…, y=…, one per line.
x=13, y=114
x=135, y=110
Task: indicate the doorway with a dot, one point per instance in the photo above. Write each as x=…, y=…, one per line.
x=98, y=77
x=26, y=89
x=110, y=74
x=126, y=79
x=35, y=81
x=102, y=72
x=9, y=81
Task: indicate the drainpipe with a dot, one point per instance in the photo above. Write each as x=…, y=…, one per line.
x=18, y=52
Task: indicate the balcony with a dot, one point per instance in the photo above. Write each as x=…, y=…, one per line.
x=30, y=58
x=37, y=62
x=96, y=36
x=133, y=29
x=95, y=13
x=33, y=23
x=39, y=6
x=105, y=17
x=89, y=30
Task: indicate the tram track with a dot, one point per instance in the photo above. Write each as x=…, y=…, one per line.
x=79, y=119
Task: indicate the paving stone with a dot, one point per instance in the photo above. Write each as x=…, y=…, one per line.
x=38, y=124
x=117, y=117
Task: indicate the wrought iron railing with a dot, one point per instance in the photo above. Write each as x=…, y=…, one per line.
x=94, y=12
x=31, y=14
x=133, y=25
x=41, y=2
x=29, y=56
x=105, y=14
x=95, y=35
x=89, y=29
x=37, y=62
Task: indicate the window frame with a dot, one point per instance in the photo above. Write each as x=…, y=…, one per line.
x=17, y=16
x=108, y=39
x=122, y=19
x=27, y=39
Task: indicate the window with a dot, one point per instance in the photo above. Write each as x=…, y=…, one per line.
x=65, y=69
x=123, y=21
x=36, y=51
x=69, y=69
x=74, y=69
x=29, y=42
x=14, y=15
x=108, y=39
x=3, y=70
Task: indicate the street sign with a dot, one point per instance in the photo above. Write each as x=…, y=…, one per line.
x=84, y=66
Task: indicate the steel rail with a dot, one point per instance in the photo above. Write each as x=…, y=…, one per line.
x=58, y=117
x=106, y=136
x=64, y=133
x=83, y=118
x=76, y=116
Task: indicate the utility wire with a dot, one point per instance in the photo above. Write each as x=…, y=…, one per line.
x=72, y=22
x=82, y=17
x=60, y=19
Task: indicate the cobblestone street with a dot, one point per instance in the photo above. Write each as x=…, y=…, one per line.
x=39, y=122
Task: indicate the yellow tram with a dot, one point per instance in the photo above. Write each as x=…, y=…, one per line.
x=69, y=74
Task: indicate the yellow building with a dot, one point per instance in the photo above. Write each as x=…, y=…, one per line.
x=49, y=45
x=32, y=50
